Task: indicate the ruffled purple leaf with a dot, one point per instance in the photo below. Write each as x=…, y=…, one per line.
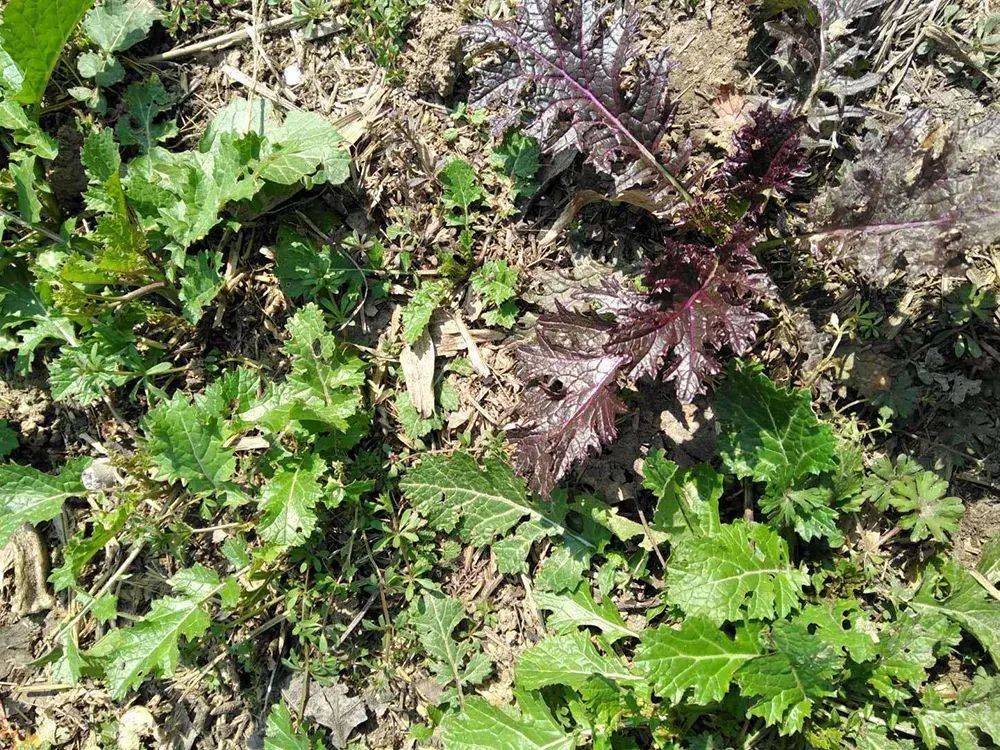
x=918, y=197
x=699, y=302
x=565, y=71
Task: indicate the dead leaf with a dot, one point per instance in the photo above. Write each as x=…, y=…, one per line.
x=731, y=114
x=25, y=554
x=418, y=373
x=16, y=647
x=330, y=706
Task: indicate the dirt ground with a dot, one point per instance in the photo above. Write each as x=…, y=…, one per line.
x=406, y=131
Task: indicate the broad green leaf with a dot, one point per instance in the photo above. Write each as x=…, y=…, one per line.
x=150, y=647
x=201, y=282
x=697, y=657
x=907, y=648
x=842, y=624
x=33, y=34
x=480, y=726
x=186, y=446
x=790, y=681
x=456, y=662
x=770, y=434
x=742, y=571
x=484, y=503
x=116, y=25
x=303, y=143
x=569, y=612
x=289, y=500
x=280, y=735
x=688, y=499
x=30, y=496
x=569, y=659
x=973, y=716
x=965, y=602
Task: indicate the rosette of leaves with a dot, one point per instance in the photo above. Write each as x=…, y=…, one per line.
x=695, y=303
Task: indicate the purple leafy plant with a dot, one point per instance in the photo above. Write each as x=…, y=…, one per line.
x=697, y=301
x=566, y=70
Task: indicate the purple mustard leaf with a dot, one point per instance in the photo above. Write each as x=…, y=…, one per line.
x=918, y=197
x=566, y=71
x=570, y=402
x=765, y=155
x=698, y=301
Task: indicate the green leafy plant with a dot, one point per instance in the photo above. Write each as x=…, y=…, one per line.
x=496, y=284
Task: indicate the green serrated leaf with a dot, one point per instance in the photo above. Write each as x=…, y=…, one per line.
x=959, y=597
x=569, y=612
x=456, y=662
x=841, y=623
x=288, y=502
x=186, y=445
x=495, y=282
x=32, y=36
x=688, y=499
x=569, y=659
x=150, y=647
x=480, y=726
x=790, y=681
x=201, y=282
x=116, y=25
x=80, y=548
x=28, y=203
x=974, y=714
x=697, y=657
x=742, y=571
x=461, y=191
x=303, y=143
x=484, y=503
x=144, y=102
x=417, y=314
x=30, y=496
x=770, y=434
x=907, y=648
